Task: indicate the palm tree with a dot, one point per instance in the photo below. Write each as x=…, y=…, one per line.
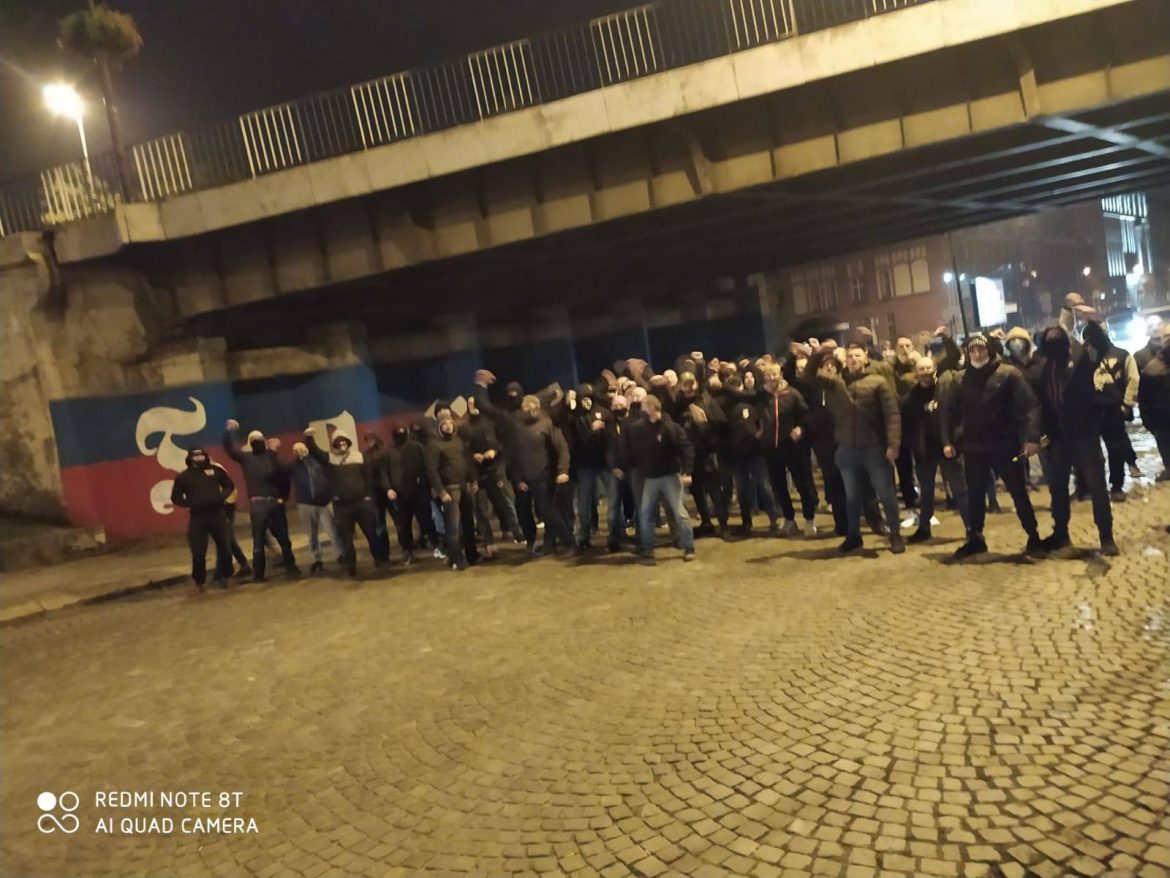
x=108, y=37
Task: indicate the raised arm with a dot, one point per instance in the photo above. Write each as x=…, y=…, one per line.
x=314, y=448
x=229, y=441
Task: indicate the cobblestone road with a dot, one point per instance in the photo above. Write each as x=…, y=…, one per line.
x=763, y=711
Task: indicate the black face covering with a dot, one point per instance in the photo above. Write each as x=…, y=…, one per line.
x=197, y=458
x=636, y=406
x=258, y=446
x=400, y=436
x=620, y=414
x=1056, y=346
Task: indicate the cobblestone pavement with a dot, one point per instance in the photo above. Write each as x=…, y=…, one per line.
x=763, y=711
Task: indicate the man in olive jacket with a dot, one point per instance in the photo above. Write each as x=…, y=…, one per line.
x=868, y=429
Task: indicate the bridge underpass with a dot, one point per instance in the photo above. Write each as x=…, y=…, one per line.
x=552, y=263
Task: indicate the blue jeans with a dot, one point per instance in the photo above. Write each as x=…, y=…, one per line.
x=751, y=483
x=670, y=490
x=317, y=519
x=615, y=490
x=952, y=473
x=857, y=464
x=587, y=497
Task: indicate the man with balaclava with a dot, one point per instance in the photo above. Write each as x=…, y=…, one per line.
x=868, y=429
x=746, y=452
x=376, y=454
x=586, y=428
x=480, y=435
x=451, y=473
x=1074, y=432
x=413, y=490
x=921, y=432
x=202, y=490
x=353, y=504
x=659, y=450
x=265, y=478
x=904, y=365
x=541, y=458
x=1154, y=394
x=705, y=424
x=1116, y=381
x=310, y=481
x=619, y=493
x=784, y=423
x=990, y=415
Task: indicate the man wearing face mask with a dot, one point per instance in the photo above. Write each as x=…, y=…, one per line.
x=868, y=429
x=495, y=492
x=1154, y=393
x=991, y=412
x=587, y=432
x=264, y=477
x=202, y=489
x=414, y=493
x=619, y=493
x=541, y=462
x=1154, y=327
x=451, y=473
x=351, y=484
x=920, y=429
x=1067, y=411
x=311, y=483
x=706, y=427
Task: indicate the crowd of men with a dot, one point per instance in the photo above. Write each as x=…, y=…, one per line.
x=748, y=431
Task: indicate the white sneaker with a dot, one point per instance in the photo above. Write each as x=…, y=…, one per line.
x=789, y=528
x=934, y=522
x=810, y=529
x=440, y=554
x=910, y=521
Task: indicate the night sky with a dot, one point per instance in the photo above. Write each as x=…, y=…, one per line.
x=212, y=59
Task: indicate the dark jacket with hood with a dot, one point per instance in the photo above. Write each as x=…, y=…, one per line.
x=449, y=463
x=201, y=489
x=710, y=438
x=310, y=481
x=657, y=449
x=378, y=462
x=865, y=410
x=921, y=416
x=1065, y=388
x=587, y=444
x=265, y=475
x=479, y=433
x=780, y=413
x=349, y=475
x=410, y=464
x=992, y=411
x=1154, y=392
x=507, y=418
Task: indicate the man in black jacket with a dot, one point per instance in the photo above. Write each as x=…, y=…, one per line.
x=585, y=427
x=266, y=478
x=904, y=367
x=705, y=424
x=414, y=493
x=991, y=413
x=783, y=419
x=1074, y=430
x=376, y=455
x=540, y=457
x=451, y=473
x=495, y=491
x=349, y=477
x=311, y=483
x=202, y=489
x=746, y=453
x=659, y=449
x=920, y=432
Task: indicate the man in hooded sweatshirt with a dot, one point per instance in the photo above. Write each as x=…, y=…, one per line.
x=451, y=473
x=1116, y=383
x=350, y=480
x=586, y=422
x=311, y=484
x=541, y=461
x=495, y=492
x=705, y=424
x=413, y=492
x=989, y=416
x=1074, y=433
x=202, y=489
x=868, y=429
x=376, y=455
x=265, y=477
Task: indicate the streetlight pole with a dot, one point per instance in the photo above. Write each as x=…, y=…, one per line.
x=63, y=100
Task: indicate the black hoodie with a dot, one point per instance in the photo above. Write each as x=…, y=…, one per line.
x=587, y=444
x=1065, y=387
x=265, y=475
x=201, y=489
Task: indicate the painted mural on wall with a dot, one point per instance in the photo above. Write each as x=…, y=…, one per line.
x=167, y=422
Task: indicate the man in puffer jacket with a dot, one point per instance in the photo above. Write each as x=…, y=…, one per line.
x=868, y=430
x=353, y=503
x=451, y=473
x=310, y=481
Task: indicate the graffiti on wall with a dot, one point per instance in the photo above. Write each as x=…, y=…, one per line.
x=167, y=422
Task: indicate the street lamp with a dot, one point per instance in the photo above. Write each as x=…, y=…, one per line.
x=1086, y=271
x=62, y=99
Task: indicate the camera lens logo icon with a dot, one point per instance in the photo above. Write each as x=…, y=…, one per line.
x=49, y=821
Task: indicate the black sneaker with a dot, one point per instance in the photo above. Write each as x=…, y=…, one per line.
x=850, y=546
x=293, y=571
x=613, y=548
x=896, y=545
x=919, y=536
x=1109, y=549
x=969, y=549
x=1038, y=548
x=408, y=559
x=244, y=571
x=1054, y=543
x=1117, y=495
x=706, y=529
x=221, y=581
x=317, y=567
x=689, y=555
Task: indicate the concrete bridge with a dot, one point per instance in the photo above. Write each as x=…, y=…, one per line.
x=556, y=226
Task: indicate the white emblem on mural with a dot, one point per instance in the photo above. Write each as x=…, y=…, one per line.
x=343, y=422
x=169, y=422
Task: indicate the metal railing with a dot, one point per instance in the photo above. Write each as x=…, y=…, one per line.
x=616, y=48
